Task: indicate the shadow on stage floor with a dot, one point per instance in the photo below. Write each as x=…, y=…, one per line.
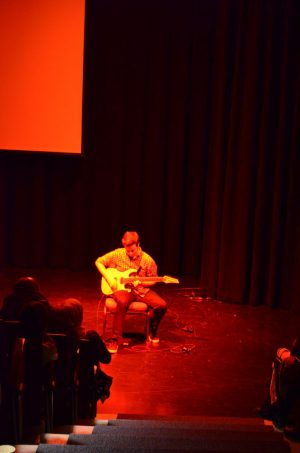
x=214, y=358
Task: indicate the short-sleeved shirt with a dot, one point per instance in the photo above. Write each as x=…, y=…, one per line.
x=143, y=263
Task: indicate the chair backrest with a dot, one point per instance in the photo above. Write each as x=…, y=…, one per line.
x=86, y=364
x=65, y=379
x=87, y=401
x=10, y=422
x=134, y=308
x=65, y=367
x=9, y=332
x=26, y=379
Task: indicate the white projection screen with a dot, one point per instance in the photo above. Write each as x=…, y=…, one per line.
x=41, y=76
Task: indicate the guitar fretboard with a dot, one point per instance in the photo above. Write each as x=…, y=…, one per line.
x=142, y=279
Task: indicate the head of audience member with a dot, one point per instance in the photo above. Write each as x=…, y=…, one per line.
x=25, y=290
x=70, y=313
x=26, y=287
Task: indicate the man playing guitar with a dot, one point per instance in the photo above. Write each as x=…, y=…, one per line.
x=131, y=257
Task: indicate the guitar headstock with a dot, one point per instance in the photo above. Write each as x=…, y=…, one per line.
x=168, y=279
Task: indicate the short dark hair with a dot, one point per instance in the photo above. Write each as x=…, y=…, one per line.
x=26, y=285
x=130, y=237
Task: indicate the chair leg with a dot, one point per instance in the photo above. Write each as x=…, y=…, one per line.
x=108, y=313
x=107, y=322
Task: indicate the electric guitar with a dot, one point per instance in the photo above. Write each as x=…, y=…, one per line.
x=123, y=278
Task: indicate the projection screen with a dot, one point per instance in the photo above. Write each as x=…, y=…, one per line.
x=41, y=77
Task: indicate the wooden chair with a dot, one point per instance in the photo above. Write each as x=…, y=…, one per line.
x=135, y=308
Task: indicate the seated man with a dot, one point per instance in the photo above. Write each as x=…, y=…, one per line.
x=131, y=256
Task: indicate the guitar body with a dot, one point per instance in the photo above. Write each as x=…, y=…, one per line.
x=122, y=278
x=117, y=276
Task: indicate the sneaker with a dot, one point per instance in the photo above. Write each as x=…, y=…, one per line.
x=125, y=342
x=112, y=345
x=153, y=339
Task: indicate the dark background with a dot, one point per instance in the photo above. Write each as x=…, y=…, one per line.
x=190, y=135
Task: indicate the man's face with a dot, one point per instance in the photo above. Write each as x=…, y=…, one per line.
x=131, y=250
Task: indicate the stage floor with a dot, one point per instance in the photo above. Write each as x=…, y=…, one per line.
x=214, y=358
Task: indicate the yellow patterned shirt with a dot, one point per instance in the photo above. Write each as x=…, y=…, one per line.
x=143, y=263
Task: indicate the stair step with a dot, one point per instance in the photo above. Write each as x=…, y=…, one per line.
x=162, y=431
x=187, y=418
x=204, y=423
x=46, y=448
x=26, y=448
x=221, y=441
x=164, y=435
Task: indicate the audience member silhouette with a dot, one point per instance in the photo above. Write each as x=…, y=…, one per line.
x=94, y=384
x=25, y=290
x=283, y=403
x=68, y=319
x=38, y=353
x=289, y=389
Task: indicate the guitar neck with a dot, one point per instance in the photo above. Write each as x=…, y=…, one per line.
x=125, y=280
x=122, y=278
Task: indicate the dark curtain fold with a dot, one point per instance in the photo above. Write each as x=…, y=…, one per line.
x=190, y=135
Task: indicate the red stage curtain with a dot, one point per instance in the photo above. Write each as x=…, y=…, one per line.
x=191, y=136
